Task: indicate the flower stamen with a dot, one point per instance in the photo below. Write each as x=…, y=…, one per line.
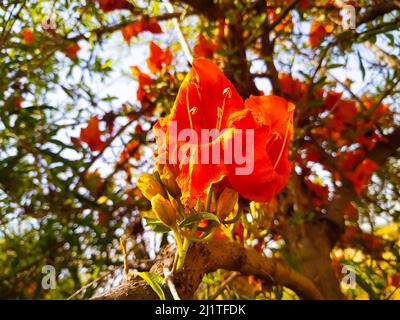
x=283, y=144
x=220, y=110
x=188, y=107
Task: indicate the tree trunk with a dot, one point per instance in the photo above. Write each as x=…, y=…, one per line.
x=310, y=247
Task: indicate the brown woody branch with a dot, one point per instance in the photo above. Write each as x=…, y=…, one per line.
x=283, y=14
x=207, y=257
x=391, y=60
x=375, y=12
x=115, y=27
x=205, y=7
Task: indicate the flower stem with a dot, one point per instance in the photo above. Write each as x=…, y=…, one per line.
x=209, y=198
x=182, y=254
x=177, y=240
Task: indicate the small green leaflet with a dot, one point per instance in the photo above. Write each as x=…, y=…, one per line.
x=196, y=218
x=155, y=281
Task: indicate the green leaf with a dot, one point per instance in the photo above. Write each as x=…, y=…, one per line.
x=155, y=282
x=156, y=225
x=362, y=68
x=335, y=65
x=191, y=220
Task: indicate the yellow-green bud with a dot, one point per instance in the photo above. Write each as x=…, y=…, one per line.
x=226, y=203
x=169, y=180
x=149, y=186
x=164, y=210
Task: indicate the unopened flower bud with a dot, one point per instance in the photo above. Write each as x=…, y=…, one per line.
x=169, y=180
x=226, y=202
x=149, y=186
x=174, y=204
x=164, y=210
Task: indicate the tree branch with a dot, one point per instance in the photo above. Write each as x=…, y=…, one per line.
x=205, y=7
x=283, y=14
x=207, y=257
x=115, y=27
x=375, y=12
x=391, y=60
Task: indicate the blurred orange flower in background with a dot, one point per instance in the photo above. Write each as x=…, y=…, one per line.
x=110, y=5
x=204, y=47
x=318, y=32
x=140, y=25
x=144, y=80
x=27, y=36
x=158, y=58
x=92, y=135
x=71, y=51
x=362, y=173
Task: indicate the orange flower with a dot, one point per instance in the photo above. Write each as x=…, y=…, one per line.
x=131, y=149
x=286, y=24
x=110, y=5
x=343, y=116
x=204, y=47
x=238, y=232
x=291, y=88
x=272, y=119
x=349, y=159
x=372, y=242
x=319, y=192
x=196, y=104
x=318, y=32
x=18, y=102
x=284, y=3
x=393, y=279
x=140, y=25
x=361, y=175
x=303, y=4
x=27, y=36
x=369, y=138
x=208, y=100
x=331, y=99
x=102, y=217
x=350, y=236
x=310, y=153
x=375, y=112
x=91, y=135
x=351, y=213
x=144, y=81
x=72, y=50
x=158, y=58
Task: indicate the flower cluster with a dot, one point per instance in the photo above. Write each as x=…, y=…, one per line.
x=195, y=199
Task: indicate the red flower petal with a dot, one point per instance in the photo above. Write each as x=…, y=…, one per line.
x=71, y=51
x=361, y=175
x=27, y=36
x=273, y=126
x=110, y=5
x=158, y=58
x=91, y=135
x=204, y=47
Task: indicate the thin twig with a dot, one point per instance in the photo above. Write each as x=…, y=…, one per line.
x=392, y=293
x=90, y=284
x=224, y=284
x=168, y=276
x=181, y=37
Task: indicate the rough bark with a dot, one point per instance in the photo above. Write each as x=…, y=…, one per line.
x=310, y=247
x=203, y=258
